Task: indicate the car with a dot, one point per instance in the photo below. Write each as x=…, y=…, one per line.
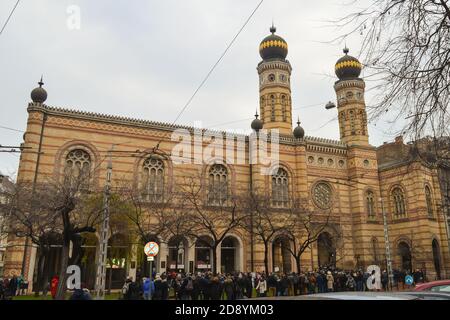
x=435, y=286
x=429, y=295
x=349, y=295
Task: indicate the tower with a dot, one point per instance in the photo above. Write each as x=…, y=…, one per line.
x=274, y=84
x=350, y=101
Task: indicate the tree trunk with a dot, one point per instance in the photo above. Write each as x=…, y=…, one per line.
x=41, y=277
x=214, y=260
x=266, y=257
x=60, y=293
x=297, y=262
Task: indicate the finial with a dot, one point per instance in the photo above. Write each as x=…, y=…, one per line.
x=256, y=114
x=41, y=82
x=346, y=51
x=298, y=120
x=272, y=28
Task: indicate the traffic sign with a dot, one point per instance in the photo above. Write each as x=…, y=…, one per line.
x=150, y=258
x=409, y=280
x=151, y=249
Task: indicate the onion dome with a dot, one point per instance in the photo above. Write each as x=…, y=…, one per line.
x=39, y=95
x=348, y=67
x=299, y=132
x=257, y=124
x=273, y=46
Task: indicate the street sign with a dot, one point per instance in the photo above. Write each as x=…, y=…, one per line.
x=409, y=280
x=151, y=249
x=150, y=258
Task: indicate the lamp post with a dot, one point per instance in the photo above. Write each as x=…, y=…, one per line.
x=387, y=246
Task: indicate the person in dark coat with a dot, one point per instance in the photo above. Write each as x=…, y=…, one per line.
x=228, y=287
x=215, y=289
x=158, y=288
x=196, y=289
x=284, y=285
x=249, y=285
x=164, y=288
x=13, y=286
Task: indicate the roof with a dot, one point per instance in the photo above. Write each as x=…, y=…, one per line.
x=127, y=121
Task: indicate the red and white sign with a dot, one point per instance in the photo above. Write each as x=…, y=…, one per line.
x=151, y=249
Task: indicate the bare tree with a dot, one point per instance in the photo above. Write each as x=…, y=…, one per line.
x=266, y=223
x=304, y=227
x=211, y=216
x=406, y=52
x=25, y=217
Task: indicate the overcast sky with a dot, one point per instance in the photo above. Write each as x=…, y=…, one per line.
x=144, y=59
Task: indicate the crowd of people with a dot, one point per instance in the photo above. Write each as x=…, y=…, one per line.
x=233, y=286
x=12, y=287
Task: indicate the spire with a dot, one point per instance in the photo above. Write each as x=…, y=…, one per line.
x=256, y=114
x=272, y=28
x=298, y=120
x=41, y=82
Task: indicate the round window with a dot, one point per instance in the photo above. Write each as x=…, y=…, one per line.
x=322, y=195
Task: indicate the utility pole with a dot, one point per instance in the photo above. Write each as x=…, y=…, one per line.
x=388, y=247
x=100, y=279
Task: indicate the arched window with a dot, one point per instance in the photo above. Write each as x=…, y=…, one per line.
x=153, y=180
x=370, y=203
x=77, y=168
x=280, y=188
x=429, y=201
x=399, y=202
x=272, y=107
x=218, y=185
x=283, y=107
x=375, y=250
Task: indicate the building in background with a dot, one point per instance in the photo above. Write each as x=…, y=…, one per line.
x=348, y=177
x=6, y=188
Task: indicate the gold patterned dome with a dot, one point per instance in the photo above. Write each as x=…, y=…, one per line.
x=348, y=67
x=273, y=46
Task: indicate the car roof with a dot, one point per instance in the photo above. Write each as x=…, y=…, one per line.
x=352, y=295
x=433, y=284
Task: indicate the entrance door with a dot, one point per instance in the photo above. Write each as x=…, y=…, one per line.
x=228, y=255
x=326, y=250
x=405, y=256
x=436, y=259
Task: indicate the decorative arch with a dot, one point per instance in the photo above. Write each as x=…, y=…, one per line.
x=398, y=201
x=65, y=149
x=315, y=194
x=370, y=202
x=437, y=257
x=232, y=254
x=139, y=169
x=280, y=256
x=429, y=200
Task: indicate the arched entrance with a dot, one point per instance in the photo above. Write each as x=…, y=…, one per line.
x=436, y=259
x=203, y=254
x=229, y=255
x=88, y=259
x=404, y=253
x=326, y=250
x=178, y=247
x=281, y=257
x=116, y=261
